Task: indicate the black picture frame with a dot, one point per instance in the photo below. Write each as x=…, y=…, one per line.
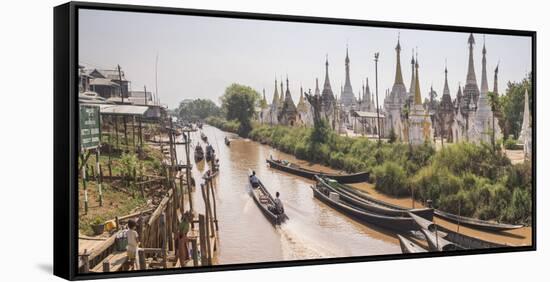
x=66, y=138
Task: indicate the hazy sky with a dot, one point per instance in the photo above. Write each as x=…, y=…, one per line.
x=200, y=56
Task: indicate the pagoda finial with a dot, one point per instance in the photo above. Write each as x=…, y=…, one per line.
x=398, y=47
x=471, y=76
x=398, y=72
x=471, y=40
x=495, y=85
x=417, y=96
x=287, y=82
x=484, y=84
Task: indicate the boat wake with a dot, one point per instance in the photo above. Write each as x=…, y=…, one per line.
x=297, y=245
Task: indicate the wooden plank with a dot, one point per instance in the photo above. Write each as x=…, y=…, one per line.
x=160, y=208
x=112, y=263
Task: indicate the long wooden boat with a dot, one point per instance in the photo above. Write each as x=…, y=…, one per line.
x=476, y=223
x=307, y=173
x=468, y=242
x=460, y=241
x=199, y=153
x=466, y=221
x=210, y=154
x=371, y=206
x=437, y=243
x=264, y=200
x=395, y=223
x=408, y=246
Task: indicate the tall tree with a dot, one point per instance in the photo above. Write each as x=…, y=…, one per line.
x=238, y=103
x=512, y=105
x=198, y=109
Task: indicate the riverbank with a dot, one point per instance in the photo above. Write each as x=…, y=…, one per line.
x=120, y=166
x=480, y=182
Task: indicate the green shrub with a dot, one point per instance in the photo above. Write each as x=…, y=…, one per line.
x=390, y=178
x=510, y=143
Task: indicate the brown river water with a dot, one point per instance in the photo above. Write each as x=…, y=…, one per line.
x=313, y=230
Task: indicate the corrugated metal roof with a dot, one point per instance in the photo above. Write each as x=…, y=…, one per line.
x=129, y=110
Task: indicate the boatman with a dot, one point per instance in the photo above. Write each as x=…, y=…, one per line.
x=254, y=180
x=279, y=208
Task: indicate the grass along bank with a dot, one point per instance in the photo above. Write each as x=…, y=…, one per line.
x=120, y=195
x=461, y=178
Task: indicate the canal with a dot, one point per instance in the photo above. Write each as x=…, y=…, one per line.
x=314, y=230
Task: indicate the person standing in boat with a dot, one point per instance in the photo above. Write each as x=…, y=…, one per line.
x=279, y=208
x=254, y=181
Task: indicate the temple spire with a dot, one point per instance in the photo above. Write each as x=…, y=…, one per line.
x=275, y=95
x=347, y=97
x=417, y=96
x=317, y=91
x=495, y=83
x=411, y=88
x=471, y=90
x=282, y=98
x=327, y=94
x=471, y=76
x=484, y=84
x=446, y=90
x=398, y=73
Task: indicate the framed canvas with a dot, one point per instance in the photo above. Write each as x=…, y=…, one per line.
x=196, y=140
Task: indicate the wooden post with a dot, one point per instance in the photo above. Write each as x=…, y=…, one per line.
x=134, y=132
x=84, y=186
x=101, y=173
x=125, y=121
x=163, y=235
x=188, y=175
x=140, y=135
x=106, y=266
x=214, y=202
x=116, y=132
x=141, y=259
x=194, y=252
x=182, y=198
x=209, y=209
x=110, y=153
x=203, y=238
x=98, y=179
x=85, y=261
x=208, y=222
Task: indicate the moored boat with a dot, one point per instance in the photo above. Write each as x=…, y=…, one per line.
x=307, y=173
x=408, y=246
x=460, y=241
x=476, y=223
x=210, y=153
x=395, y=223
x=265, y=202
x=371, y=206
x=199, y=153
x=466, y=221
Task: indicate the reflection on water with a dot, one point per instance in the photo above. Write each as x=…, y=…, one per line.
x=313, y=230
